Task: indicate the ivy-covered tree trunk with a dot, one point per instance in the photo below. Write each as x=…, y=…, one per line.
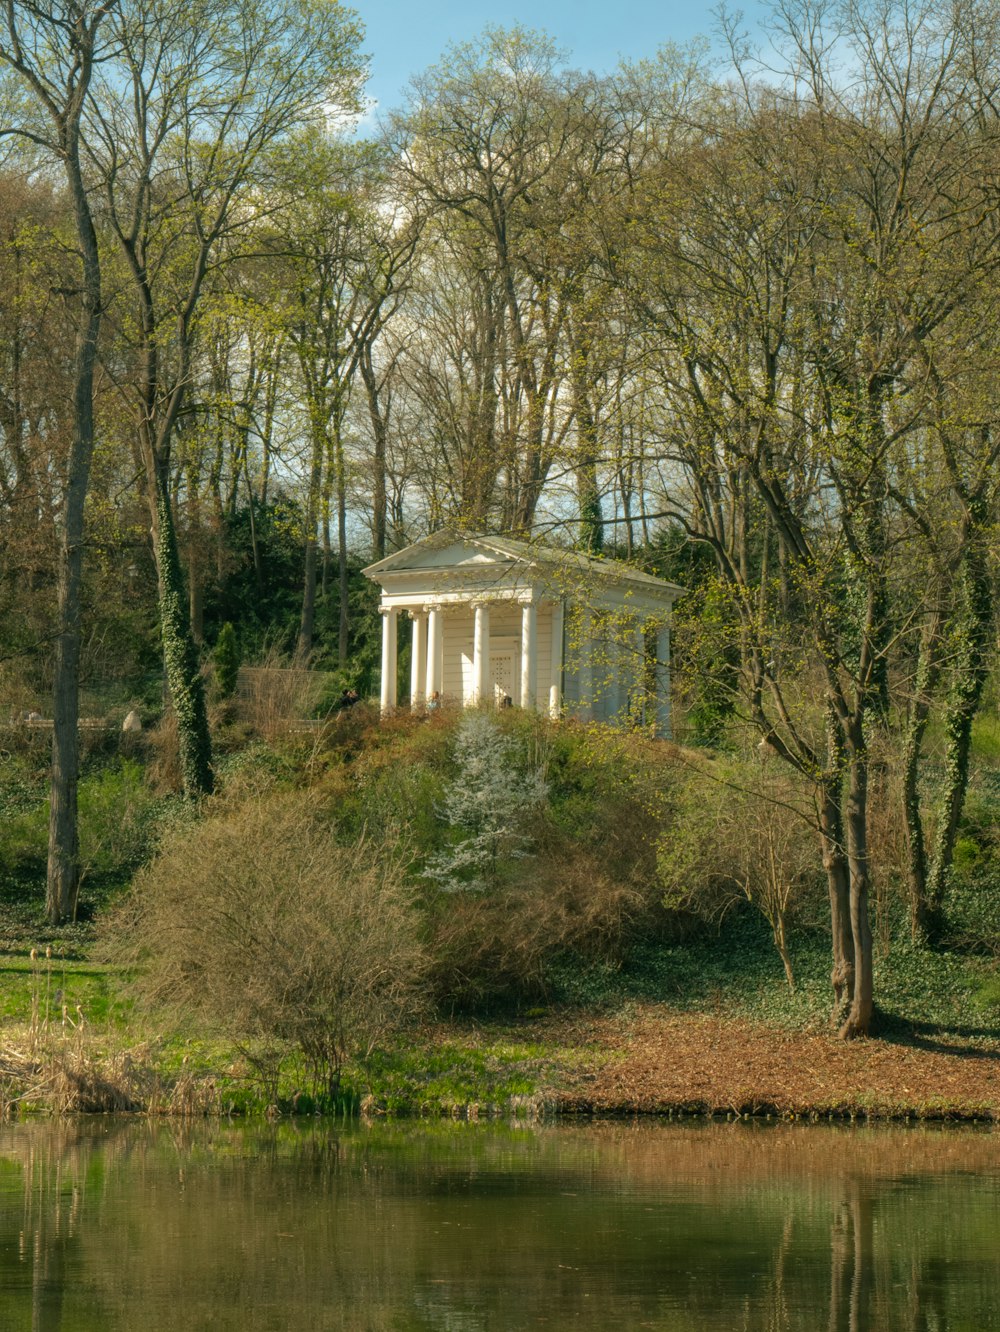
x=970, y=655
x=928, y=666
x=180, y=657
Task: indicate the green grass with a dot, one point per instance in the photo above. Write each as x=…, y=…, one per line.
x=986, y=738
x=450, y=1076
x=40, y=989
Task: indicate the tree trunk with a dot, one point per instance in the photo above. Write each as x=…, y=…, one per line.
x=379, y=434
x=779, y=930
x=307, y=619
x=916, y=851
x=838, y=884
x=343, y=628
x=837, y=873
x=63, y=871
x=587, y=487
x=180, y=657
x=62, y=880
x=859, y=1017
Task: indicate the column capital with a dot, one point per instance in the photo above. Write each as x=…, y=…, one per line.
x=388, y=610
x=416, y=612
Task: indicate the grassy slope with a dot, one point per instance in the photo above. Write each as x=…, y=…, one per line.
x=703, y=1023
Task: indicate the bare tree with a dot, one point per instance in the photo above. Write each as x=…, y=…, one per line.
x=53, y=51
x=177, y=133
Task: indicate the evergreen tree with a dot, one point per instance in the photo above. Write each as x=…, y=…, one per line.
x=487, y=807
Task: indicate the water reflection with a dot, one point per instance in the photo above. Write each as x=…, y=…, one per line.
x=115, y=1225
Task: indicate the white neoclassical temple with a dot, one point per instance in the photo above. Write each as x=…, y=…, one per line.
x=509, y=623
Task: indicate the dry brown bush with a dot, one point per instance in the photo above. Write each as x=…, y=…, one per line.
x=163, y=770
x=569, y=898
x=257, y=924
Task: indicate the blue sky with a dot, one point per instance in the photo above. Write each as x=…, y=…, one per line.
x=404, y=37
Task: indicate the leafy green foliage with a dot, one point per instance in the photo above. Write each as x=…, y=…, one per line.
x=704, y=641
x=262, y=597
x=119, y=819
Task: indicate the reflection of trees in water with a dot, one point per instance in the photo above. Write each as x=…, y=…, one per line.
x=851, y=1260
x=40, y=1224
x=705, y=1226
x=868, y=1290
x=48, y=1232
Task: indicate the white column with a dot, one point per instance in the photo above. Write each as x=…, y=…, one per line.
x=639, y=677
x=529, y=655
x=556, y=660
x=435, y=654
x=663, y=721
x=388, y=695
x=481, y=654
x=585, y=666
x=613, y=667
x=418, y=659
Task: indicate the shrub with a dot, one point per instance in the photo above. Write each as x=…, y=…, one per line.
x=741, y=832
x=259, y=925
x=227, y=658
x=566, y=903
x=585, y=894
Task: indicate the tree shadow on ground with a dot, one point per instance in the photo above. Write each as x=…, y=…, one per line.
x=940, y=1038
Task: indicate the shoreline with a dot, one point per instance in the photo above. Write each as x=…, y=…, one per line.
x=648, y=1062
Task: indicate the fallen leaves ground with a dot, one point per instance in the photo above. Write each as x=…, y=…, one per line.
x=653, y=1059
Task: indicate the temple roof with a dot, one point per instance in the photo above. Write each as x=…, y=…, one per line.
x=451, y=552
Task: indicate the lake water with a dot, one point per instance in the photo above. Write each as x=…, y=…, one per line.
x=109, y=1224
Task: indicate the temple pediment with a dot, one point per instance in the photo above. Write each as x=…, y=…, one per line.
x=447, y=562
